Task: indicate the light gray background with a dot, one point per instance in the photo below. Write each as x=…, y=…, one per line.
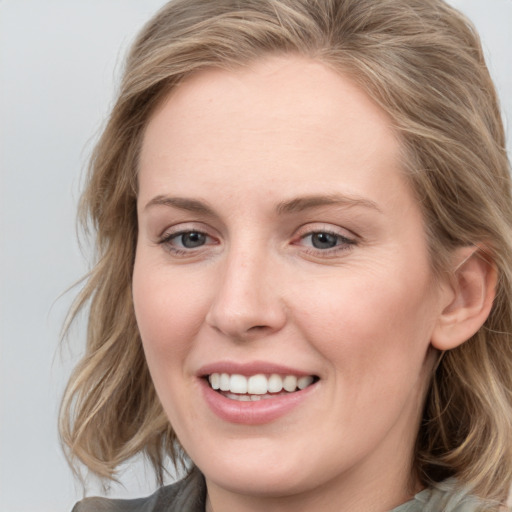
x=59, y=60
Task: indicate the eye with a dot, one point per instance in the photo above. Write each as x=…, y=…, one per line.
x=189, y=239
x=185, y=242
x=324, y=241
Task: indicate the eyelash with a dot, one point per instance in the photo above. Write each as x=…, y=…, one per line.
x=168, y=238
x=343, y=243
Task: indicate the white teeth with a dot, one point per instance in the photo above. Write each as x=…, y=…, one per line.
x=224, y=382
x=259, y=385
x=215, y=380
x=252, y=398
x=304, y=382
x=238, y=384
x=275, y=384
x=290, y=383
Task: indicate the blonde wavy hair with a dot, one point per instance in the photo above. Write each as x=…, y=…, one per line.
x=422, y=62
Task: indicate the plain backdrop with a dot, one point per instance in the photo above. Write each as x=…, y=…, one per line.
x=59, y=63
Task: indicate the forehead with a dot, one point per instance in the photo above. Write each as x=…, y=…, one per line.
x=289, y=120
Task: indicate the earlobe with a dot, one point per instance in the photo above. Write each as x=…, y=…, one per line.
x=470, y=292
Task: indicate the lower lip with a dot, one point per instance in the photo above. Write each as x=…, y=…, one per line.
x=253, y=413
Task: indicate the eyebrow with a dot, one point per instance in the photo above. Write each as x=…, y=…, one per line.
x=315, y=201
x=182, y=203
x=286, y=207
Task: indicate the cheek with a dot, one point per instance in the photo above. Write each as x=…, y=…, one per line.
x=169, y=312
x=379, y=324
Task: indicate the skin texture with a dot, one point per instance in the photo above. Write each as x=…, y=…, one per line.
x=361, y=315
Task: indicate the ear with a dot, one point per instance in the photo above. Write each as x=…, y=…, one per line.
x=470, y=291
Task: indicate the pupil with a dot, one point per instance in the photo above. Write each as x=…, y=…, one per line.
x=191, y=240
x=324, y=240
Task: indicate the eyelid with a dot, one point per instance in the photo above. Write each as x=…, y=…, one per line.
x=171, y=233
x=346, y=239
x=186, y=227
x=167, y=237
x=322, y=227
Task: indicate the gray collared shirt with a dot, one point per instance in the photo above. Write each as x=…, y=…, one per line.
x=189, y=495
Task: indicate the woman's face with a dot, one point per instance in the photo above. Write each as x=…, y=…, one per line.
x=279, y=244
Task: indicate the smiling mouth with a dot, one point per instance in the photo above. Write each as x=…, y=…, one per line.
x=259, y=386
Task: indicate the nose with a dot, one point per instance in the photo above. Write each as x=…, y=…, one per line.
x=247, y=303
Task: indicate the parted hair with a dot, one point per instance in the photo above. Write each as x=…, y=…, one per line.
x=421, y=61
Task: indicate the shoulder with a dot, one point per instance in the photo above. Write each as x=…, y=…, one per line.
x=446, y=496
x=187, y=495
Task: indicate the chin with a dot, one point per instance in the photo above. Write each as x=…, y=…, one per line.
x=264, y=479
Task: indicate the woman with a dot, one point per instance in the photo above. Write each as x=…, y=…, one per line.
x=303, y=221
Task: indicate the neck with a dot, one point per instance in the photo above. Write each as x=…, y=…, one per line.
x=377, y=495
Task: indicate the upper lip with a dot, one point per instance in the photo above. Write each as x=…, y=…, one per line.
x=248, y=369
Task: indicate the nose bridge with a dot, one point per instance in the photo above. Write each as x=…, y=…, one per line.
x=246, y=301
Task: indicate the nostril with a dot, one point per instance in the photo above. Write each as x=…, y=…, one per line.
x=256, y=331
x=244, y=319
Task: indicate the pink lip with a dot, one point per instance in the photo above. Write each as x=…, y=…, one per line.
x=251, y=413
x=248, y=369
